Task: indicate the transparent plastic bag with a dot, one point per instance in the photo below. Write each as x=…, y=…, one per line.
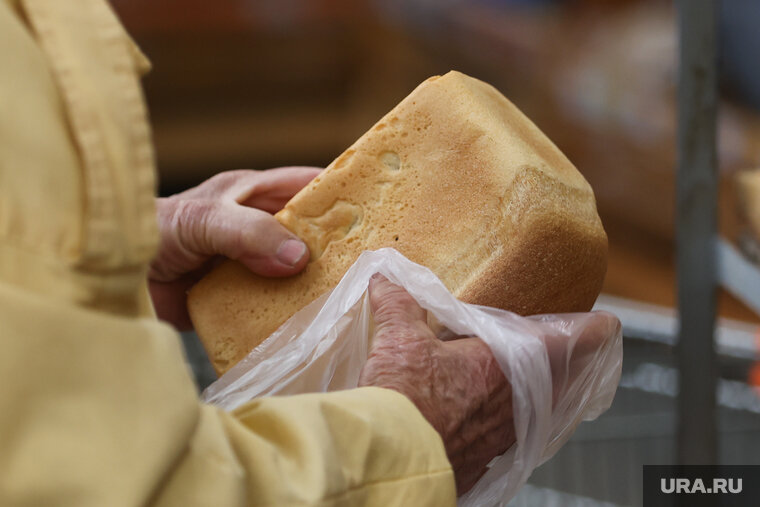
x=559, y=372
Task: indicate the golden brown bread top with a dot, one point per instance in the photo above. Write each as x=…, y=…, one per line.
x=457, y=179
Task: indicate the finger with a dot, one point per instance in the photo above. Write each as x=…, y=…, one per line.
x=585, y=333
x=251, y=236
x=391, y=304
x=168, y=306
x=169, y=296
x=275, y=187
x=601, y=328
x=268, y=190
x=572, y=351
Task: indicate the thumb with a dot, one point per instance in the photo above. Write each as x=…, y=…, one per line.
x=396, y=313
x=251, y=236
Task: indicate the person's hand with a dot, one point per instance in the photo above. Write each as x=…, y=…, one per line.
x=457, y=385
x=228, y=215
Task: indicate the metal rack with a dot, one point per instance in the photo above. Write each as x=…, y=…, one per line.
x=696, y=230
x=664, y=397
x=704, y=260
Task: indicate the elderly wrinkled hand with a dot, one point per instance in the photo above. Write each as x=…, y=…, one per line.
x=458, y=385
x=228, y=215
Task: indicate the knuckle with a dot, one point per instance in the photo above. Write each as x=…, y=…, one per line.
x=192, y=219
x=391, y=297
x=221, y=182
x=192, y=213
x=224, y=178
x=396, y=306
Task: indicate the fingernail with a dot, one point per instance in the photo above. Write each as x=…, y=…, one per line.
x=291, y=251
x=375, y=279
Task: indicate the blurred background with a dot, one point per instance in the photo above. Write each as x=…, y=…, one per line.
x=266, y=83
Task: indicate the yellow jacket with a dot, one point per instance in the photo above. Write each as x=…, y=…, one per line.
x=96, y=404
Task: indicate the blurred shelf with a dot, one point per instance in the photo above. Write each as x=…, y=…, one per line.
x=659, y=324
x=738, y=275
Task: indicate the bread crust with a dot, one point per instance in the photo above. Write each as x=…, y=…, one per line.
x=456, y=178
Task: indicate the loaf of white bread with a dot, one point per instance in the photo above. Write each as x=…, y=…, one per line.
x=455, y=178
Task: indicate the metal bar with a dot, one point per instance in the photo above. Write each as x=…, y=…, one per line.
x=696, y=224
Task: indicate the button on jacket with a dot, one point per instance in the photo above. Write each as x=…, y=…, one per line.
x=97, y=407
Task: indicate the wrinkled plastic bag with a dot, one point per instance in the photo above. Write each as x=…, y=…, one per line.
x=324, y=346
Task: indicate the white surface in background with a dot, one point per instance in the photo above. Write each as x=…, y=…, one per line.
x=656, y=323
x=737, y=275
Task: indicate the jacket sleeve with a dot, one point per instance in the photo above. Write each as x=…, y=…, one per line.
x=96, y=404
x=99, y=410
